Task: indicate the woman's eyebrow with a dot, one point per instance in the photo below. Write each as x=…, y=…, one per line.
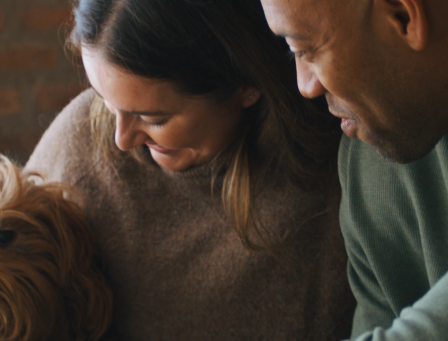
x=144, y=113
x=136, y=113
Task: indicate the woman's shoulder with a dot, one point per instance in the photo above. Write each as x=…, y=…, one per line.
x=64, y=152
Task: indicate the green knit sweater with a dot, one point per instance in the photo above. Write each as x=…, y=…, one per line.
x=395, y=223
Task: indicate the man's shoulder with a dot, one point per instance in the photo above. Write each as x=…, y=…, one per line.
x=67, y=142
x=361, y=165
x=395, y=207
x=383, y=200
x=393, y=218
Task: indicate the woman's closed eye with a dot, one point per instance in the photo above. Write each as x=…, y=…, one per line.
x=148, y=120
x=152, y=123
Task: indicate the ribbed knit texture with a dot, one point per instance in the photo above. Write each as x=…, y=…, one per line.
x=394, y=220
x=175, y=264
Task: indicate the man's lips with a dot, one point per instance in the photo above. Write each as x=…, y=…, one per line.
x=348, y=126
x=337, y=113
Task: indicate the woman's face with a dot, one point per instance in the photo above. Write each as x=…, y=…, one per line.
x=181, y=131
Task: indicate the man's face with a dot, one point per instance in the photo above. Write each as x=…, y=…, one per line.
x=349, y=52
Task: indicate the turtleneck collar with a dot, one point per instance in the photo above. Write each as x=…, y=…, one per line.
x=204, y=170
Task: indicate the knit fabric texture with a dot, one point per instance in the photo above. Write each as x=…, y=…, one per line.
x=176, y=266
x=394, y=219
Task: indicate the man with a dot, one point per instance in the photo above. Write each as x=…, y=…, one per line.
x=383, y=68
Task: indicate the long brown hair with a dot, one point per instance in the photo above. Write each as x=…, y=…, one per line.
x=211, y=48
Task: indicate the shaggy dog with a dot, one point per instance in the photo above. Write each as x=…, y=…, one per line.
x=50, y=285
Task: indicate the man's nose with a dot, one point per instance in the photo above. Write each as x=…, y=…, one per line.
x=307, y=80
x=128, y=134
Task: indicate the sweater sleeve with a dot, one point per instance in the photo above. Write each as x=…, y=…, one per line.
x=63, y=152
x=426, y=320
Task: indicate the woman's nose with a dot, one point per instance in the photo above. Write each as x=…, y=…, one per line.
x=307, y=80
x=128, y=134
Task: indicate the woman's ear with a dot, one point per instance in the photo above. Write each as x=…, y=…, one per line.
x=409, y=19
x=249, y=96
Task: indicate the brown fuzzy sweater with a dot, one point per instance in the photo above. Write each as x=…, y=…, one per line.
x=176, y=265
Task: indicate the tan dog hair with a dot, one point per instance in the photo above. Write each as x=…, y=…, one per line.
x=50, y=285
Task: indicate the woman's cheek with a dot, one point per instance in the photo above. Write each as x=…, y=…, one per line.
x=173, y=136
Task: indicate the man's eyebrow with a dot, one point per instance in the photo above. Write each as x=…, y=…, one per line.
x=291, y=35
x=136, y=113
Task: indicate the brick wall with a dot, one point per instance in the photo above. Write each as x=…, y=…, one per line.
x=37, y=76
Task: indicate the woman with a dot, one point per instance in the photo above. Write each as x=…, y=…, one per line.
x=192, y=99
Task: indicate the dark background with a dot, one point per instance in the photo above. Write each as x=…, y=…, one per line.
x=38, y=76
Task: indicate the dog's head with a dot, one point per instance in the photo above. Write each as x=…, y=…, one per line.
x=50, y=285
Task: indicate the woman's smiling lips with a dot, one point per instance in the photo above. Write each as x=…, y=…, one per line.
x=160, y=149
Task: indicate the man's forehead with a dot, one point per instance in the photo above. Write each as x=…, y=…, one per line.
x=292, y=5
x=290, y=17
x=286, y=16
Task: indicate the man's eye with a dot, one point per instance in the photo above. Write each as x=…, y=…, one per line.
x=157, y=124
x=294, y=55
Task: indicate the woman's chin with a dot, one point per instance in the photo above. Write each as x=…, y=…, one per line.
x=175, y=163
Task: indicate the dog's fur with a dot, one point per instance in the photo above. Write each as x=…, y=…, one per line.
x=50, y=285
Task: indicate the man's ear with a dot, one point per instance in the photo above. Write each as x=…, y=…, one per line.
x=409, y=19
